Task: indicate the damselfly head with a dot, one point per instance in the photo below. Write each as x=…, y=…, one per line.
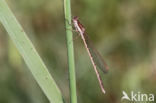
x=75, y=18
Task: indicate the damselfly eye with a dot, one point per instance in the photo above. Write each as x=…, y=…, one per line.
x=75, y=18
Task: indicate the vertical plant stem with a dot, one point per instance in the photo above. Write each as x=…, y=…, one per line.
x=72, y=79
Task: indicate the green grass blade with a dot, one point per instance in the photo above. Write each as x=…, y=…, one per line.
x=28, y=52
x=67, y=11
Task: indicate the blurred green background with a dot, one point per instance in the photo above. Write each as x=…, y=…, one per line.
x=123, y=31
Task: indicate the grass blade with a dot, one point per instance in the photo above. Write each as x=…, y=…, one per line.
x=28, y=52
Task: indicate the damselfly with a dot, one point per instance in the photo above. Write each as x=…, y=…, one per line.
x=95, y=57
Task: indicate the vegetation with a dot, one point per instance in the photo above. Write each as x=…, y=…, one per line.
x=122, y=31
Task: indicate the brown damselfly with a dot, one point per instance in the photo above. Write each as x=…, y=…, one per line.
x=95, y=57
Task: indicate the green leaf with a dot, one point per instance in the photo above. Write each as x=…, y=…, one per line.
x=29, y=54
